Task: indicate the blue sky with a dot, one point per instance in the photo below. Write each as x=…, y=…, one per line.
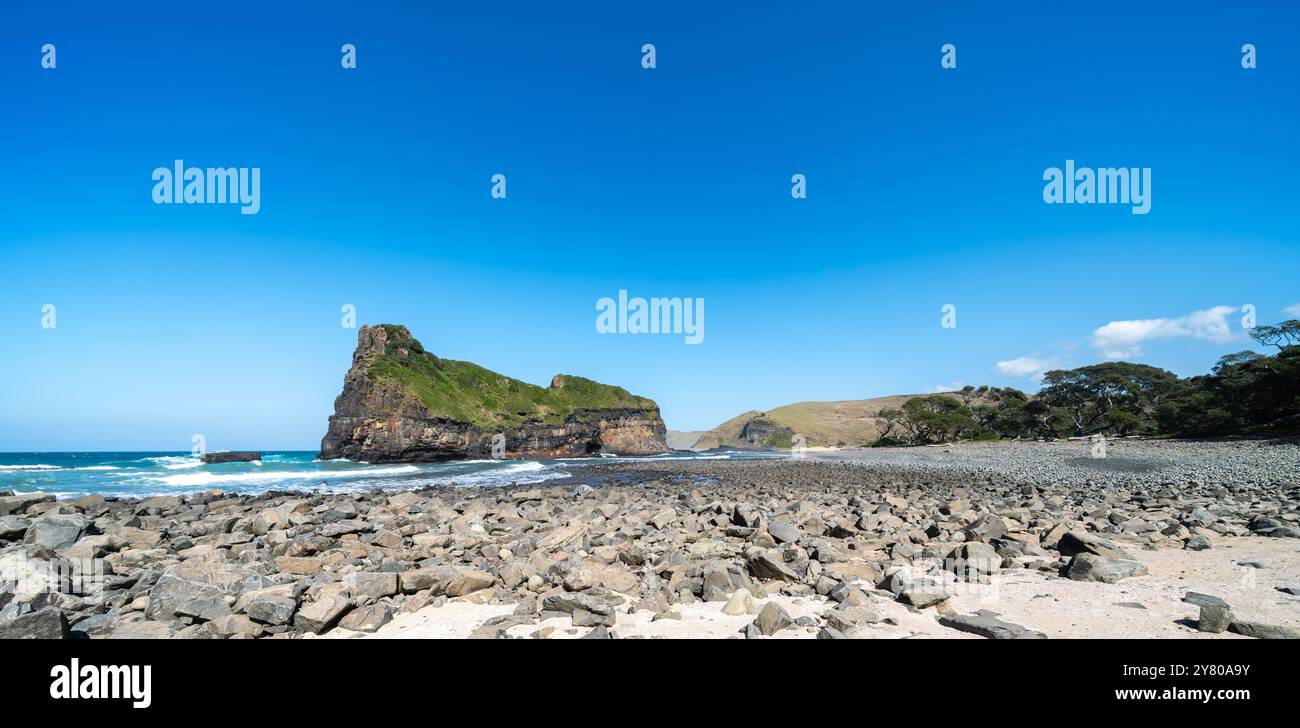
x=924, y=188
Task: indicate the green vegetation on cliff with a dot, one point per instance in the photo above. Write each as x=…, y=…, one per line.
x=466, y=392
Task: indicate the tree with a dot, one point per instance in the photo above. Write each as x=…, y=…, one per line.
x=1284, y=335
x=1093, y=397
x=936, y=418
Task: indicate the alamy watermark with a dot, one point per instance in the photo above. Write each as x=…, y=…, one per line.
x=75, y=681
x=1104, y=186
x=214, y=185
x=654, y=316
x=80, y=577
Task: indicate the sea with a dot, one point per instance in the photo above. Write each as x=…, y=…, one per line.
x=144, y=474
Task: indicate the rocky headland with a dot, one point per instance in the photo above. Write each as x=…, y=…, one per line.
x=1204, y=543
x=216, y=458
x=401, y=403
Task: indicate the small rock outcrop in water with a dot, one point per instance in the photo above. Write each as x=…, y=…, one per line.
x=213, y=458
x=402, y=404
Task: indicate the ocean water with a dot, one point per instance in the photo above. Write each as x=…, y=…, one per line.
x=142, y=474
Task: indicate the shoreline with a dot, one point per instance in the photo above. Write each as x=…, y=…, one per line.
x=903, y=543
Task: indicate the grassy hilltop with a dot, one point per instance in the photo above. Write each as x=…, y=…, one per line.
x=848, y=422
x=466, y=392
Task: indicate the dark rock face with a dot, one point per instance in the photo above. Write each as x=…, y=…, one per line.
x=377, y=421
x=43, y=624
x=760, y=432
x=213, y=458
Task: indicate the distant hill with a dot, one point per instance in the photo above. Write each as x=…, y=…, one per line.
x=848, y=423
x=679, y=440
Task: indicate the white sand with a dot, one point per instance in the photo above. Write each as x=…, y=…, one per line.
x=1058, y=607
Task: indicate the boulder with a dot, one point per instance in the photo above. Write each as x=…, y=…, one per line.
x=13, y=528
x=1090, y=567
x=771, y=619
x=784, y=532
x=18, y=504
x=321, y=615
x=367, y=619
x=765, y=565
x=567, y=602
x=740, y=603
x=270, y=610
x=723, y=580
x=987, y=528
x=215, y=458
x=847, y=618
x=467, y=581
x=368, y=586
x=204, y=608
x=42, y=624
x=298, y=565
x=986, y=624
x=1214, y=620
x=194, y=579
x=56, y=530
x=1081, y=542
x=974, y=562
x=922, y=596
x=1263, y=631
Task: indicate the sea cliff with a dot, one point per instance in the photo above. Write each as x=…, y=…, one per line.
x=401, y=403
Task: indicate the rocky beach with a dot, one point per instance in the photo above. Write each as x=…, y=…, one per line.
x=1010, y=540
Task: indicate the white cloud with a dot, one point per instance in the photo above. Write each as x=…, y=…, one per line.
x=1030, y=367
x=1292, y=310
x=942, y=388
x=1124, y=339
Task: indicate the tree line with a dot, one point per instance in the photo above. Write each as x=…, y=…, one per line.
x=1245, y=393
